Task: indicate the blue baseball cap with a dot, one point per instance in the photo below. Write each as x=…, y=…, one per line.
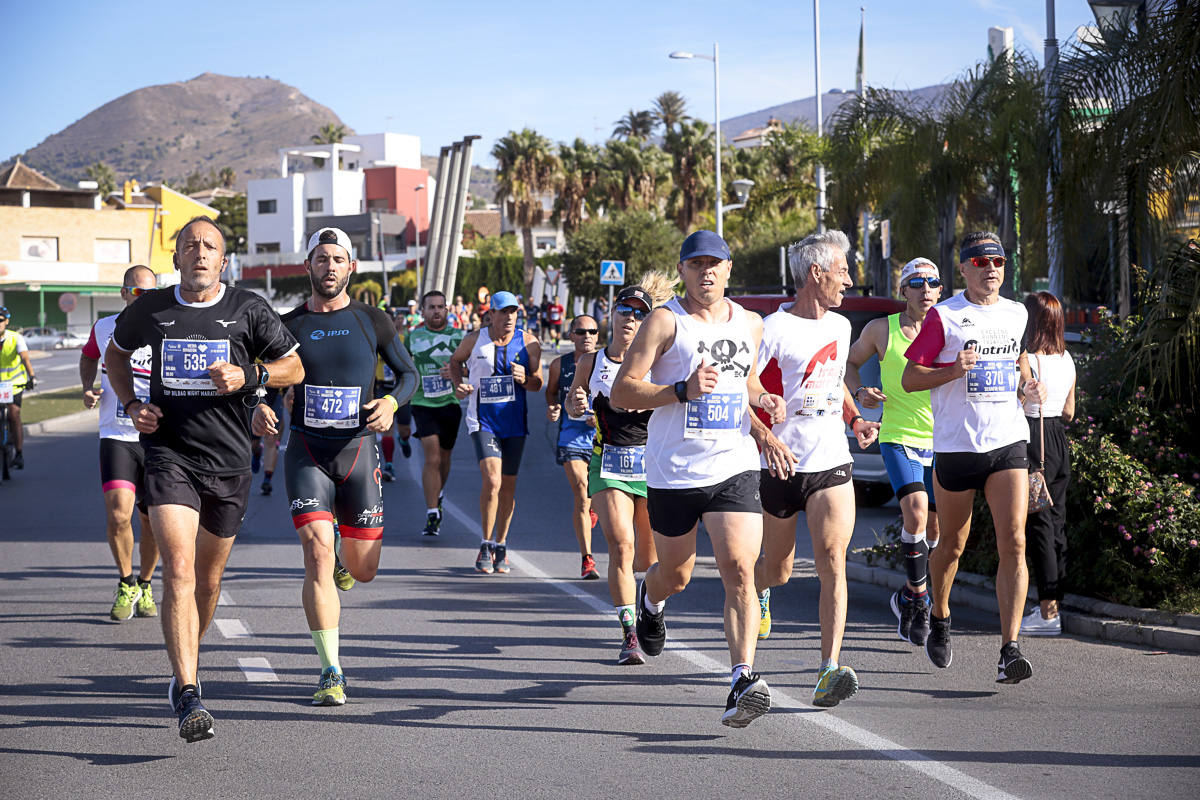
x=704, y=243
x=503, y=300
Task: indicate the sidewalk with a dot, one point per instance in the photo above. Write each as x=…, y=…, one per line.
x=1082, y=616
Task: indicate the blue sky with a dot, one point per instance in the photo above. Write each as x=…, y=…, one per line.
x=442, y=70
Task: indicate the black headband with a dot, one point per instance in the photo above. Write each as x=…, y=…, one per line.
x=980, y=249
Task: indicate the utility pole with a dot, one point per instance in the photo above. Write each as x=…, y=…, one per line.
x=820, y=115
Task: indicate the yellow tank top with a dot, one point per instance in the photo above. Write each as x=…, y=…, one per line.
x=907, y=416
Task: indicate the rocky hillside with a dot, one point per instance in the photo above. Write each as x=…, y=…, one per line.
x=170, y=131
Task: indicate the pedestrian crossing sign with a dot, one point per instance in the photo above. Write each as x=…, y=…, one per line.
x=612, y=273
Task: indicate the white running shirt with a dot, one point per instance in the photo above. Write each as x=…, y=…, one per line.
x=114, y=423
x=705, y=441
x=978, y=412
x=810, y=355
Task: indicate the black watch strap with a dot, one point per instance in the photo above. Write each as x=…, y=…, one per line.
x=681, y=391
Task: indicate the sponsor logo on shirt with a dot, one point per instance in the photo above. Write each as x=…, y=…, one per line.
x=225, y=323
x=167, y=324
x=319, y=334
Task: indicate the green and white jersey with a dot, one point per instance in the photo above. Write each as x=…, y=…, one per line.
x=431, y=350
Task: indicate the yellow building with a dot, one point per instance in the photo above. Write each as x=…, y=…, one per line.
x=63, y=252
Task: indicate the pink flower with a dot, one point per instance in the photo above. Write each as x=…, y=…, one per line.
x=1153, y=562
x=1108, y=506
x=1152, y=550
x=1193, y=543
x=1128, y=537
x=1150, y=529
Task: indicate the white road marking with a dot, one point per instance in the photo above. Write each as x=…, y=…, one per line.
x=232, y=628
x=225, y=599
x=916, y=761
x=60, y=367
x=258, y=670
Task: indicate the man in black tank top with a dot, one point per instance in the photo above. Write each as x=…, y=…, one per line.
x=209, y=342
x=332, y=463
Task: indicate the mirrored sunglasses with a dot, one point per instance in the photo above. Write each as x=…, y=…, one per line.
x=919, y=283
x=629, y=311
x=987, y=261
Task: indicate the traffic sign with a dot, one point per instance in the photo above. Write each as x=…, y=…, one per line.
x=612, y=273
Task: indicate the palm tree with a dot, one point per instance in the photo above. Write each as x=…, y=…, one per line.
x=635, y=124
x=526, y=170
x=691, y=150
x=329, y=134
x=670, y=109
x=227, y=177
x=634, y=175
x=103, y=175
x=580, y=171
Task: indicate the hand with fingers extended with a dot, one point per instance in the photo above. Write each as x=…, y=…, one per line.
x=865, y=431
x=869, y=396
x=265, y=421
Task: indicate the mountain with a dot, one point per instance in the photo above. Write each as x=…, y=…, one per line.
x=805, y=110
x=169, y=131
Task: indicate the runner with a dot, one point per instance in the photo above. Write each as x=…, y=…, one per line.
x=806, y=464
x=209, y=341
x=16, y=375
x=122, y=463
x=332, y=464
x=268, y=444
x=968, y=354
x=554, y=320
x=573, y=449
x=503, y=365
x=617, y=471
x=700, y=352
x=435, y=409
x=906, y=438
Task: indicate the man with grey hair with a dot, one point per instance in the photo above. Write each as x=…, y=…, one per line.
x=806, y=464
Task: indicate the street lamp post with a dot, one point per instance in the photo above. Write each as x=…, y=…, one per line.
x=417, y=230
x=1053, y=233
x=716, y=59
x=820, y=168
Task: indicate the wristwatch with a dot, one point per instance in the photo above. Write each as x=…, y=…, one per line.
x=681, y=391
x=266, y=376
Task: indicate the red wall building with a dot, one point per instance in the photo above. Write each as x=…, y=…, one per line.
x=392, y=188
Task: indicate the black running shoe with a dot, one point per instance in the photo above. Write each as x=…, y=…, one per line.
x=904, y=608
x=651, y=628
x=195, y=723
x=937, y=646
x=749, y=699
x=1013, y=667
x=19, y=460
x=433, y=523
x=266, y=487
x=919, y=631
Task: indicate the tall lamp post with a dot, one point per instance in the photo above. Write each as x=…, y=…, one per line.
x=417, y=231
x=1053, y=233
x=820, y=168
x=716, y=60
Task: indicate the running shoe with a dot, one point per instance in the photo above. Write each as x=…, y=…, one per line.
x=389, y=474
x=406, y=448
x=1013, y=667
x=764, y=614
x=651, y=628
x=749, y=699
x=834, y=685
x=631, y=651
x=341, y=575
x=195, y=723
x=919, y=631
x=433, y=523
x=145, y=604
x=19, y=460
x=483, y=561
x=331, y=689
x=1037, y=625
x=587, y=569
x=173, y=698
x=937, y=646
x=441, y=506
x=904, y=606
x=126, y=601
x=500, y=558
x=266, y=487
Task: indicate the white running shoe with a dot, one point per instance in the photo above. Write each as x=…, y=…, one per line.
x=1037, y=625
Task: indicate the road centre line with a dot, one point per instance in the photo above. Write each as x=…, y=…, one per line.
x=232, y=628
x=225, y=599
x=916, y=761
x=258, y=670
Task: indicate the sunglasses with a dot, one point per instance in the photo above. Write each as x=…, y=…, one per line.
x=630, y=311
x=919, y=283
x=136, y=291
x=586, y=331
x=987, y=261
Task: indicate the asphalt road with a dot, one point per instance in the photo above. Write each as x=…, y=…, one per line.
x=465, y=685
x=56, y=369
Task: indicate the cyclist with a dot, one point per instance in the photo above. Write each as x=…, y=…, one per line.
x=16, y=375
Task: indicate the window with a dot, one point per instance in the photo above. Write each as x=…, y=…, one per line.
x=546, y=243
x=111, y=251
x=266, y=206
x=39, y=248
x=267, y=247
x=379, y=204
x=315, y=205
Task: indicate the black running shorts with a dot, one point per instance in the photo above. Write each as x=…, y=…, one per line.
x=439, y=421
x=674, y=512
x=123, y=466
x=783, y=498
x=220, y=499
x=960, y=472
x=335, y=478
x=509, y=450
